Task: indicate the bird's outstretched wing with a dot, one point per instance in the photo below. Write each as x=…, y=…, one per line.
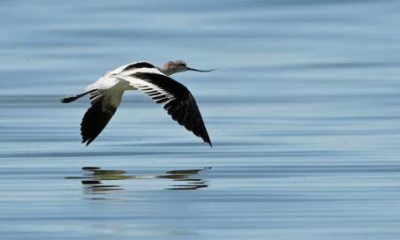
x=104, y=105
x=175, y=98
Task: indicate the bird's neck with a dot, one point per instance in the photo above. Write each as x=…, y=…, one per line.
x=166, y=71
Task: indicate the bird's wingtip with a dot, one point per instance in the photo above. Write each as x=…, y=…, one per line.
x=86, y=142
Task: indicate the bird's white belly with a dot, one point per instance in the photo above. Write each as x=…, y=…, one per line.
x=108, y=82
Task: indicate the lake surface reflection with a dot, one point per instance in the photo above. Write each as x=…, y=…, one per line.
x=187, y=179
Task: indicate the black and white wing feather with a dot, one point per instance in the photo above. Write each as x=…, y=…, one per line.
x=175, y=98
x=104, y=105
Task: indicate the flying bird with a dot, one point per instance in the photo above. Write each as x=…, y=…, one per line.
x=106, y=94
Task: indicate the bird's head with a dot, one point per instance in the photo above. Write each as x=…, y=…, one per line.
x=176, y=66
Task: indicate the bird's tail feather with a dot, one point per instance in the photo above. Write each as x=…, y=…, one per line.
x=69, y=99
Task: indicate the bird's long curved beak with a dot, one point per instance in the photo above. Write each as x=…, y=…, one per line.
x=197, y=70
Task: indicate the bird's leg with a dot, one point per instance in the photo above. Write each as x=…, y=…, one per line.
x=69, y=99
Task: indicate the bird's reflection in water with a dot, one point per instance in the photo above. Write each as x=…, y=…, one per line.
x=187, y=179
x=93, y=179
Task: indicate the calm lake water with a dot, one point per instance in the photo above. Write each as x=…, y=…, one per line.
x=303, y=112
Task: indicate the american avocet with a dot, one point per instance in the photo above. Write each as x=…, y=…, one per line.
x=106, y=94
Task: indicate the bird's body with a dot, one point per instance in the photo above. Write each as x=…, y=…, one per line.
x=106, y=94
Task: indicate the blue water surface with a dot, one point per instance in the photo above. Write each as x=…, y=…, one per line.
x=303, y=112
